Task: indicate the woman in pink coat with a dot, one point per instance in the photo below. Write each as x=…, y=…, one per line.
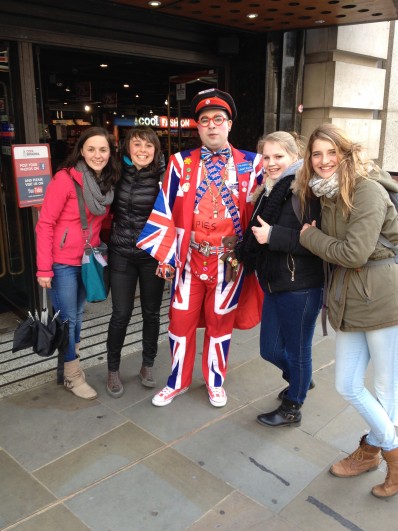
x=60, y=242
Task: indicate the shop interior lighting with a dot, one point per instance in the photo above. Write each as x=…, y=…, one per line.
x=67, y=89
x=137, y=95
x=252, y=15
x=319, y=21
x=103, y=65
x=126, y=85
x=87, y=108
x=154, y=4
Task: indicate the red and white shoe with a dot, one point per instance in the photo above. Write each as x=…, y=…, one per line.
x=217, y=396
x=167, y=395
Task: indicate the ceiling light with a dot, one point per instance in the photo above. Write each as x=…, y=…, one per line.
x=166, y=102
x=126, y=85
x=65, y=103
x=87, y=108
x=319, y=21
x=154, y=4
x=67, y=89
x=114, y=112
x=137, y=95
x=252, y=15
x=103, y=65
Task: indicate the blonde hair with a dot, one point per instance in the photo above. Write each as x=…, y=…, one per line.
x=353, y=165
x=290, y=142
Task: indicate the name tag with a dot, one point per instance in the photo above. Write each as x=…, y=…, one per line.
x=244, y=167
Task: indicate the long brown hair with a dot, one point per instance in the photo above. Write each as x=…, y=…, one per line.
x=111, y=173
x=353, y=165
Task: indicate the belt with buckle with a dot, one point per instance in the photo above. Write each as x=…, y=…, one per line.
x=206, y=249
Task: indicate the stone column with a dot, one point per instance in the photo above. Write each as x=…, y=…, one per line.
x=344, y=81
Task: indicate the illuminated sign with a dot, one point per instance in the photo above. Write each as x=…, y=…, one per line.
x=155, y=121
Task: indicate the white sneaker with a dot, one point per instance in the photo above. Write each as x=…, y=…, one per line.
x=167, y=395
x=217, y=396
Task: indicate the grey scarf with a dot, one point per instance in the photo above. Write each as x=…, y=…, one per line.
x=95, y=201
x=292, y=169
x=328, y=187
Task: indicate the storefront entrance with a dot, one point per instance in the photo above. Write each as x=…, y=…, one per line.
x=73, y=90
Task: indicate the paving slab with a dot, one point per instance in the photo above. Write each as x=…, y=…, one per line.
x=187, y=413
x=97, y=459
x=236, y=511
x=270, y=466
x=57, y=518
x=166, y=491
x=21, y=495
x=46, y=422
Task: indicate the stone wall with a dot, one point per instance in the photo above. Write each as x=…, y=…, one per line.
x=345, y=81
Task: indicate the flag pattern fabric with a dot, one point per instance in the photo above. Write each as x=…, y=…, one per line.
x=159, y=236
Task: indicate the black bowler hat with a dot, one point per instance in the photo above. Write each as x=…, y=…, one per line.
x=213, y=99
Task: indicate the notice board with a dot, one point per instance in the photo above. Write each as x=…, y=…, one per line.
x=32, y=172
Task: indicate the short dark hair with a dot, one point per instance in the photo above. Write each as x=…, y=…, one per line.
x=144, y=133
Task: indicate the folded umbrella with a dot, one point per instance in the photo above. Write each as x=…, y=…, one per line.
x=25, y=334
x=45, y=335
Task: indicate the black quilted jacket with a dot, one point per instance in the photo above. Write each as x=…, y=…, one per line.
x=135, y=195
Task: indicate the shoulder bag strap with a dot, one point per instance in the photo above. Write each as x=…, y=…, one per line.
x=82, y=210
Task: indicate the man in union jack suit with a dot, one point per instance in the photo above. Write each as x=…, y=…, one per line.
x=201, y=212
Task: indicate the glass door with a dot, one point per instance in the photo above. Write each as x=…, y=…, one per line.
x=16, y=232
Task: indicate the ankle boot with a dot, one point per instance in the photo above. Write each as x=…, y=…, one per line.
x=390, y=485
x=74, y=380
x=146, y=376
x=287, y=414
x=364, y=459
x=114, y=386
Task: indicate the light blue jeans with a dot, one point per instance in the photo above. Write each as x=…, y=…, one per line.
x=68, y=295
x=354, y=350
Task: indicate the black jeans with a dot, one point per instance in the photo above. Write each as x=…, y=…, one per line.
x=124, y=275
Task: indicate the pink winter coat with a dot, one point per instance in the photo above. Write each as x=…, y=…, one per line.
x=59, y=230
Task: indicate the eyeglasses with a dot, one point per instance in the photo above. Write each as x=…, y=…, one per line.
x=219, y=119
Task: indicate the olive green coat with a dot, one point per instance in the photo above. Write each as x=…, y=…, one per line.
x=359, y=298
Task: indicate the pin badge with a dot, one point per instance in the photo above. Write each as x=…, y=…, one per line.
x=185, y=187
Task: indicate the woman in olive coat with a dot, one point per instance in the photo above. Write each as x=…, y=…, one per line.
x=359, y=231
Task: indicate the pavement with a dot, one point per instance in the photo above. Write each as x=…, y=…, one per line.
x=123, y=464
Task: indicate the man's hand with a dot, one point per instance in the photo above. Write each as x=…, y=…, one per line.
x=165, y=271
x=261, y=233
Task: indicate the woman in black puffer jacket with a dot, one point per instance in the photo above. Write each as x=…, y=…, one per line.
x=143, y=169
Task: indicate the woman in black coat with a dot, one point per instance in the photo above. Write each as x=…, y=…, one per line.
x=291, y=277
x=142, y=172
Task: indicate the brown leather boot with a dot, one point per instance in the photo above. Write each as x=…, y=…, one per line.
x=74, y=380
x=390, y=485
x=364, y=459
x=146, y=376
